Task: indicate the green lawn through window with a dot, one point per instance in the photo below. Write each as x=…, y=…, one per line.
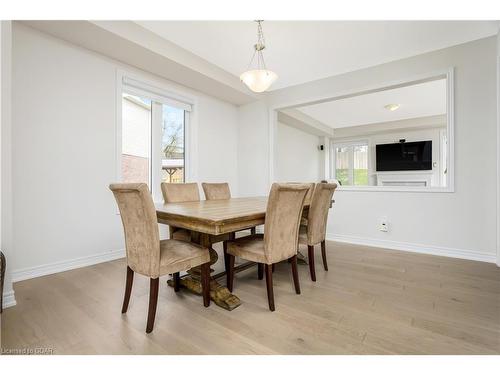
x=360, y=176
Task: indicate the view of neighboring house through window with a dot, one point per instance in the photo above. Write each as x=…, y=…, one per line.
x=152, y=140
x=351, y=163
x=136, y=139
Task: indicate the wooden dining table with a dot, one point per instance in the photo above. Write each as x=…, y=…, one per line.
x=208, y=220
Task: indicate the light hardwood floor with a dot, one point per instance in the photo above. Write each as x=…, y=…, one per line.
x=372, y=301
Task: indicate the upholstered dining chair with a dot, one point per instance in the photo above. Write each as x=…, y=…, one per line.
x=279, y=241
x=178, y=193
x=215, y=191
x=314, y=232
x=147, y=254
x=307, y=200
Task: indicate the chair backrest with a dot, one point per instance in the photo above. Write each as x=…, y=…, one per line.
x=176, y=193
x=281, y=228
x=216, y=190
x=310, y=191
x=142, y=239
x=318, y=212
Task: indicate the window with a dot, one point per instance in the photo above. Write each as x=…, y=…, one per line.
x=351, y=163
x=172, y=161
x=153, y=131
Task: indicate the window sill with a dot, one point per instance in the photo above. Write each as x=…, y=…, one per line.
x=406, y=189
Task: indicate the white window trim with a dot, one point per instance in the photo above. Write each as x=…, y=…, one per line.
x=450, y=122
x=165, y=93
x=345, y=143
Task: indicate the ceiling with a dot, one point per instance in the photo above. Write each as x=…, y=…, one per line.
x=420, y=100
x=303, y=51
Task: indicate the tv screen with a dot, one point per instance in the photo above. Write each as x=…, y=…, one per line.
x=404, y=156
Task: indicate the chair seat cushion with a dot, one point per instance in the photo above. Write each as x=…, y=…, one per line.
x=176, y=256
x=249, y=247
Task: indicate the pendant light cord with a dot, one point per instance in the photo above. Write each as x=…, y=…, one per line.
x=261, y=44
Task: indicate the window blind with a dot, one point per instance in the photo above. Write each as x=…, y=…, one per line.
x=138, y=88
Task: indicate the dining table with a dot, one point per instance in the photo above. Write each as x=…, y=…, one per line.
x=208, y=221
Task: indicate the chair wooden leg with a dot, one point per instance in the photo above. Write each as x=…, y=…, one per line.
x=260, y=271
x=295, y=274
x=272, y=268
x=269, y=285
x=226, y=259
x=230, y=273
x=232, y=236
x=153, y=300
x=252, y=230
x=310, y=258
x=177, y=281
x=323, y=254
x=128, y=289
x=205, y=283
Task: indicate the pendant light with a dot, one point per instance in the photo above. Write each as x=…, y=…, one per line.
x=260, y=79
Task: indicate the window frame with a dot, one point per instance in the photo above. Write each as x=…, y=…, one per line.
x=190, y=127
x=350, y=144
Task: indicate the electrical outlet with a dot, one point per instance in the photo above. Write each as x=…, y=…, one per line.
x=384, y=225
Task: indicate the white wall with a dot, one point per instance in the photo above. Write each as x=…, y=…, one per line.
x=462, y=223
x=498, y=149
x=297, y=155
x=64, y=156
x=6, y=159
x=253, y=149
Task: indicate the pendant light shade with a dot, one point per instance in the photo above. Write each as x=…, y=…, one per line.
x=259, y=79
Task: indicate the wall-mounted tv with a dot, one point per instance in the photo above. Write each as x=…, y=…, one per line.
x=404, y=156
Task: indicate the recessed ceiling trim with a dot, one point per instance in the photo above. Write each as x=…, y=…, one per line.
x=435, y=76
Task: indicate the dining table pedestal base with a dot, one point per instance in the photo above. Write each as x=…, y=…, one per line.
x=218, y=293
x=301, y=258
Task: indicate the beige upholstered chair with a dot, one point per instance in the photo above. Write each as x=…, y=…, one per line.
x=307, y=200
x=175, y=193
x=149, y=256
x=279, y=242
x=314, y=231
x=178, y=193
x=214, y=191
x=310, y=191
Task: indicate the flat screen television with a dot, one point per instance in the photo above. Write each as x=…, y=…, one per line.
x=404, y=156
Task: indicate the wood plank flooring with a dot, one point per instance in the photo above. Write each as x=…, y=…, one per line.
x=371, y=301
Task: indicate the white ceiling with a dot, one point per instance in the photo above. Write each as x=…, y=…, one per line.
x=421, y=100
x=302, y=51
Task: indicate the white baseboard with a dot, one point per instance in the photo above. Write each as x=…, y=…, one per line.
x=415, y=248
x=9, y=299
x=48, y=269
